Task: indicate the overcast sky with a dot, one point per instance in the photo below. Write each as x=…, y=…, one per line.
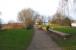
x=10, y=8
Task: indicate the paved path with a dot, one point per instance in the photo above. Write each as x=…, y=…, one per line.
x=41, y=41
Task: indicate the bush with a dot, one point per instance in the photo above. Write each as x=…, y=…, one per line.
x=29, y=27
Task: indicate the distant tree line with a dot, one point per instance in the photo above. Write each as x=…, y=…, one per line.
x=61, y=20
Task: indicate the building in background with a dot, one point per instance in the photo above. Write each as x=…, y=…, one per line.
x=12, y=26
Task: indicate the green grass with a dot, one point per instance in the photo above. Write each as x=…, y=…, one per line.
x=17, y=39
x=67, y=30
x=69, y=43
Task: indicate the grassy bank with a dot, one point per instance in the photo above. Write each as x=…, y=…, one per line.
x=17, y=39
x=69, y=44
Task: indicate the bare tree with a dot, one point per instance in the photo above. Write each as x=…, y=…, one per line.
x=0, y=22
x=26, y=16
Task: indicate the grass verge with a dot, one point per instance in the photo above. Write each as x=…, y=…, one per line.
x=17, y=39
